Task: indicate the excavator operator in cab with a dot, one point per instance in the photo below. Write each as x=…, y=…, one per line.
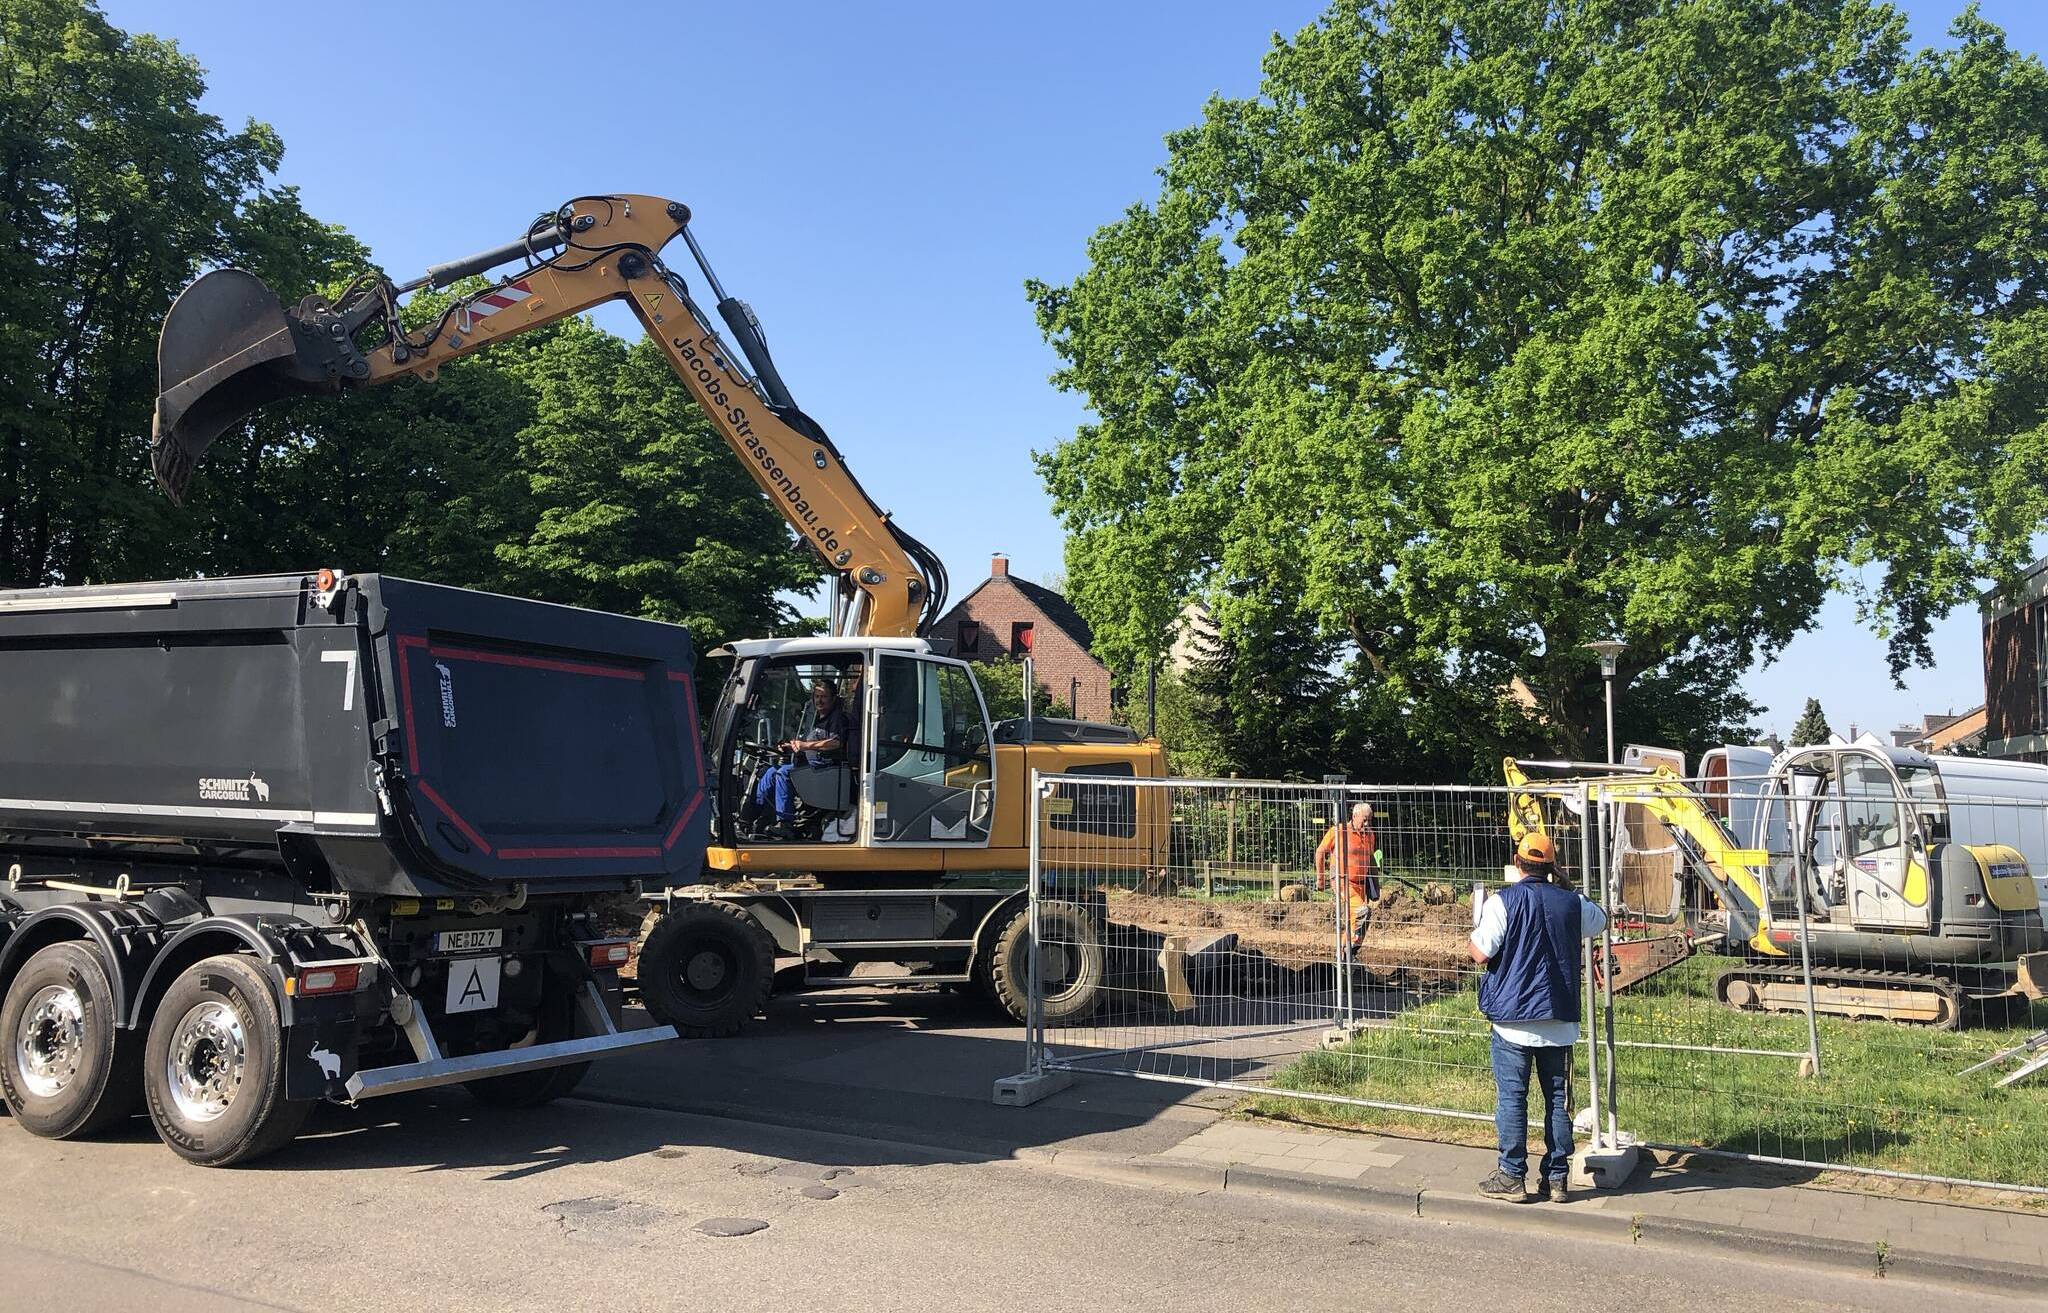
x=831, y=731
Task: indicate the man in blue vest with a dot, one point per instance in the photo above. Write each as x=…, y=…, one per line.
x=1528, y=938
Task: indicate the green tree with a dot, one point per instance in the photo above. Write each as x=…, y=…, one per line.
x=1812, y=725
x=114, y=188
x=1270, y=688
x=1187, y=725
x=1490, y=327
x=637, y=504
x=1002, y=686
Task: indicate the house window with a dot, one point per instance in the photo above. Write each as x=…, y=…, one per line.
x=970, y=637
x=1020, y=638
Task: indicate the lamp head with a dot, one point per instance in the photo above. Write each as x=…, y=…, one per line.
x=1609, y=649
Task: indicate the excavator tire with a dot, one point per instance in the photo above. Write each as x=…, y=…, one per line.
x=707, y=969
x=1073, y=959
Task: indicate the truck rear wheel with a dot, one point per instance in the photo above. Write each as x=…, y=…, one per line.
x=531, y=1089
x=213, y=1069
x=707, y=969
x=1070, y=962
x=528, y=1089
x=66, y=1070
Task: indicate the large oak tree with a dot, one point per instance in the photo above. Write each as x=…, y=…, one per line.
x=1491, y=327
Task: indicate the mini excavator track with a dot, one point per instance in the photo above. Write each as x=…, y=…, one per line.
x=1909, y=997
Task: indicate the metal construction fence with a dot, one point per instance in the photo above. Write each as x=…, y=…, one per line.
x=1222, y=933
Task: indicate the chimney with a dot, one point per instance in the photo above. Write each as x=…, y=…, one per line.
x=999, y=566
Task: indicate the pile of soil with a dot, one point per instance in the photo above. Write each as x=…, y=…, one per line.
x=1407, y=933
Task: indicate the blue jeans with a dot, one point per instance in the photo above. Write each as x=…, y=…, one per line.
x=775, y=783
x=1553, y=1064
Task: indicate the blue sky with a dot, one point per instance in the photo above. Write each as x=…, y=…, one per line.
x=877, y=179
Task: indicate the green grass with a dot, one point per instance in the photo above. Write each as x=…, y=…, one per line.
x=1888, y=1095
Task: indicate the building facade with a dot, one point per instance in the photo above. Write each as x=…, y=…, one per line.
x=2016, y=668
x=1010, y=618
x=1946, y=732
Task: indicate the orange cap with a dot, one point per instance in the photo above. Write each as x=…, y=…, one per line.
x=1535, y=850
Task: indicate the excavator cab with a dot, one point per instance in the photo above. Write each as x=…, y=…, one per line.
x=1840, y=813
x=917, y=769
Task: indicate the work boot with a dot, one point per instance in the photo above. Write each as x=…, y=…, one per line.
x=1557, y=1190
x=1502, y=1186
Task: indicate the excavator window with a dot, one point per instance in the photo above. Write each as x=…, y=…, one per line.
x=1870, y=810
x=934, y=775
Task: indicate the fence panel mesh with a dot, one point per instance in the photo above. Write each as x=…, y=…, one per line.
x=1243, y=934
x=1254, y=936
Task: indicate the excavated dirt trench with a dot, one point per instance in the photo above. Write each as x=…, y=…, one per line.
x=1407, y=934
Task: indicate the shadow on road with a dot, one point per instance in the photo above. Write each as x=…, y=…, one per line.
x=894, y=1079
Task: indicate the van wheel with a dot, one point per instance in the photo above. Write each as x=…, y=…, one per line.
x=1071, y=963
x=213, y=1069
x=707, y=969
x=66, y=1069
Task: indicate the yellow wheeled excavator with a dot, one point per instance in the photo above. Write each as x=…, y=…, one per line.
x=910, y=845
x=1853, y=847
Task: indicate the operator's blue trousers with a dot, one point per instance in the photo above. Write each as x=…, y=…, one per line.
x=775, y=784
x=1553, y=1068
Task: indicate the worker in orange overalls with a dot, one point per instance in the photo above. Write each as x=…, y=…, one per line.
x=1353, y=859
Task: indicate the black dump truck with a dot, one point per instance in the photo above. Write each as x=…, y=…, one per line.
x=268, y=841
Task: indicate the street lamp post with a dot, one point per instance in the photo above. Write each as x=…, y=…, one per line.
x=1610, y=649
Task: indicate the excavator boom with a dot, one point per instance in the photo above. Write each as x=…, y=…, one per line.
x=230, y=346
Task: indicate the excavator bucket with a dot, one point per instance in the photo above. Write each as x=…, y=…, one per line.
x=1632, y=961
x=227, y=349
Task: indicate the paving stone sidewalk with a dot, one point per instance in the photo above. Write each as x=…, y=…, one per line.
x=1726, y=1202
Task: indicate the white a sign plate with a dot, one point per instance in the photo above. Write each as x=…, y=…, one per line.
x=473, y=983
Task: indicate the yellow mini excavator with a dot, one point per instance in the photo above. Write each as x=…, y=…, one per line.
x=1904, y=920
x=910, y=848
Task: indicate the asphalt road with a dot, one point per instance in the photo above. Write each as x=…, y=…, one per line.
x=433, y=1202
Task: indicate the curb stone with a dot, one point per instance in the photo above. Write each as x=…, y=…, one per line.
x=1613, y=1225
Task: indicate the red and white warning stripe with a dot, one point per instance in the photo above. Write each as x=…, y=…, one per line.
x=499, y=298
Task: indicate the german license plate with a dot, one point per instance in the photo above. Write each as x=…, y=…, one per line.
x=473, y=983
x=469, y=941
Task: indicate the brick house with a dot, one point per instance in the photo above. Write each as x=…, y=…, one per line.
x=2016, y=668
x=1944, y=732
x=1008, y=617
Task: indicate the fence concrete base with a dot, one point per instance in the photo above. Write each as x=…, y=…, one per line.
x=1336, y=1037
x=1603, y=1168
x=1027, y=1088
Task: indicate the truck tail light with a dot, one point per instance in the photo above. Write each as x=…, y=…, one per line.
x=313, y=981
x=610, y=954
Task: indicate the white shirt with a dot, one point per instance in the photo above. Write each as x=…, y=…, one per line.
x=1491, y=932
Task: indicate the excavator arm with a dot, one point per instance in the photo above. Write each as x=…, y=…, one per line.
x=1735, y=875
x=229, y=346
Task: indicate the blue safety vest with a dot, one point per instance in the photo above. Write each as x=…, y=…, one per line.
x=1535, y=975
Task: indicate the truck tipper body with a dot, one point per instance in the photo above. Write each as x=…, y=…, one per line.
x=273, y=840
